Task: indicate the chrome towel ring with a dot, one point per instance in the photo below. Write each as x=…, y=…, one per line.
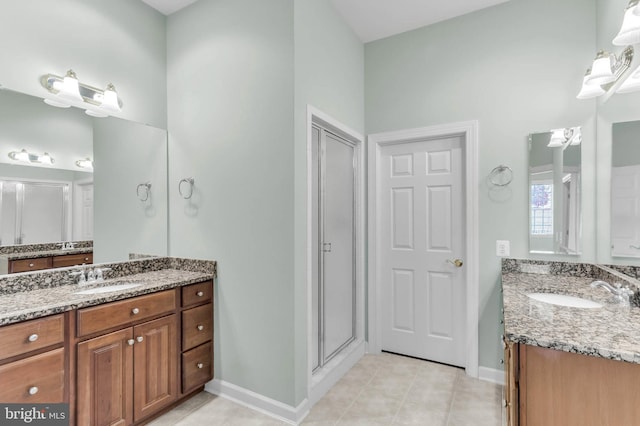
x=501, y=176
x=189, y=181
x=143, y=191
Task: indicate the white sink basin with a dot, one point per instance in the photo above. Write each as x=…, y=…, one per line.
x=108, y=288
x=563, y=300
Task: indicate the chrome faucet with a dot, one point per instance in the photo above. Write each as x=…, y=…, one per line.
x=621, y=294
x=90, y=276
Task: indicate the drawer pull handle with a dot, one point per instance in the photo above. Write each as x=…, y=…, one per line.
x=200, y=327
x=31, y=265
x=135, y=311
x=86, y=258
x=139, y=339
x=33, y=337
x=199, y=365
x=130, y=342
x=200, y=294
x=33, y=390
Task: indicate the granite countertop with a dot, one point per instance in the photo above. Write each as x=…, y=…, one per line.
x=612, y=331
x=45, y=253
x=25, y=305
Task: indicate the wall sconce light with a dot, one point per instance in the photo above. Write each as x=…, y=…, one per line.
x=69, y=91
x=27, y=157
x=605, y=72
x=630, y=31
x=562, y=138
x=86, y=163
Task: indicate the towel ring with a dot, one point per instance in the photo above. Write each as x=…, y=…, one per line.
x=188, y=181
x=146, y=191
x=501, y=175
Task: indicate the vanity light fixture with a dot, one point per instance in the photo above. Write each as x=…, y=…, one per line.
x=605, y=73
x=69, y=91
x=631, y=84
x=28, y=157
x=86, y=163
x=630, y=31
x=562, y=138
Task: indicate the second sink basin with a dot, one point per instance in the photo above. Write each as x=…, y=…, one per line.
x=564, y=300
x=108, y=288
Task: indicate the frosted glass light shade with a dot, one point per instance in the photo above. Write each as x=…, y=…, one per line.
x=630, y=31
x=601, y=70
x=96, y=113
x=557, y=138
x=45, y=159
x=20, y=156
x=85, y=164
x=636, y=10
x=56, y=104
x=70, y=87
x=589, y=91
x=110, y=100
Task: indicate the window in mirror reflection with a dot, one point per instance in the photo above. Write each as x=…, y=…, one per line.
x=554, y=191
x=625, y=190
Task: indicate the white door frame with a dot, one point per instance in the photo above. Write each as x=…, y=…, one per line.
x=469, y=132
x=350, y=355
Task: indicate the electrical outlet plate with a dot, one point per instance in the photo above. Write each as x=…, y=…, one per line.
x=503, y=248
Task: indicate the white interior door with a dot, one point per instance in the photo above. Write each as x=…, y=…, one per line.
x=625, y=211
x=421, y=235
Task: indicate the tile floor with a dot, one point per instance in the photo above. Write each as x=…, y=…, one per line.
x=381, y=389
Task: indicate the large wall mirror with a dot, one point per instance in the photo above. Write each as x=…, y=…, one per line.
x=555, y=214
x=107, y=182
x=625, y=189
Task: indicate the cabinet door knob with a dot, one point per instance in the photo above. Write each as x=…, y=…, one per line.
x=33, y=337
x=139, y=339
x=200, y=294
x=200, y=327
x=33, y=390
x=130, y=342
x=135, y=311
x=200, y=365
x=31, y=266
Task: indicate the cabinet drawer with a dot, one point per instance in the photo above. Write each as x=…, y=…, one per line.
x=28, y=336
x=197, y=367
x=72, y=260
x=197, y=326
x=128, y=311
x=25, y=265
x=197, y=293
x=36, y=379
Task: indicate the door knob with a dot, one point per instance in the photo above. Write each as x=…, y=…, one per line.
x=456, y=262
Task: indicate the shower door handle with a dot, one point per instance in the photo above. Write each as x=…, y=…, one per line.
x=326, y=247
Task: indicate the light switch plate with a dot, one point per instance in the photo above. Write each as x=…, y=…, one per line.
x=503, y=248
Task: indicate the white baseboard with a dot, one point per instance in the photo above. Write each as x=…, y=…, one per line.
x=491, y=375
x=276, y=409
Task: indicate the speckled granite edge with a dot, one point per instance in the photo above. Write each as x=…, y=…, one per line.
x=25, y=248
x=51, y=278
x=546, y=267
x=45, y=253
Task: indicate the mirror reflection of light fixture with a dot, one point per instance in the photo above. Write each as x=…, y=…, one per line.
x=68, y=91
x=28, y=157
x=562, y=138
x=589, y=90
x=630, y=31
x=86, y=163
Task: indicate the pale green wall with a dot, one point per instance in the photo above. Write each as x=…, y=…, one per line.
x=231, y=107
x=329, y=75
x=515, y=68
x=619, y=108
x=117, y=41
x=626, y=148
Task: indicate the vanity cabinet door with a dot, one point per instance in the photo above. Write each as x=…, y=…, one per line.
x=511, y=382
x=66, y=260
x=105, y=380
x=27, y=265
x=155, y=369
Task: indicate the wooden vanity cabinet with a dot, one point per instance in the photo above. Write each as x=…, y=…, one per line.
x=66, y=260
x=40, y=263
x=32, y=361
x=129, y=374
x=561, y=388
x=197, y=335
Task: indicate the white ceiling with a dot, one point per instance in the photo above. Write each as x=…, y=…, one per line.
x=376, y=19
x=167, y=7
